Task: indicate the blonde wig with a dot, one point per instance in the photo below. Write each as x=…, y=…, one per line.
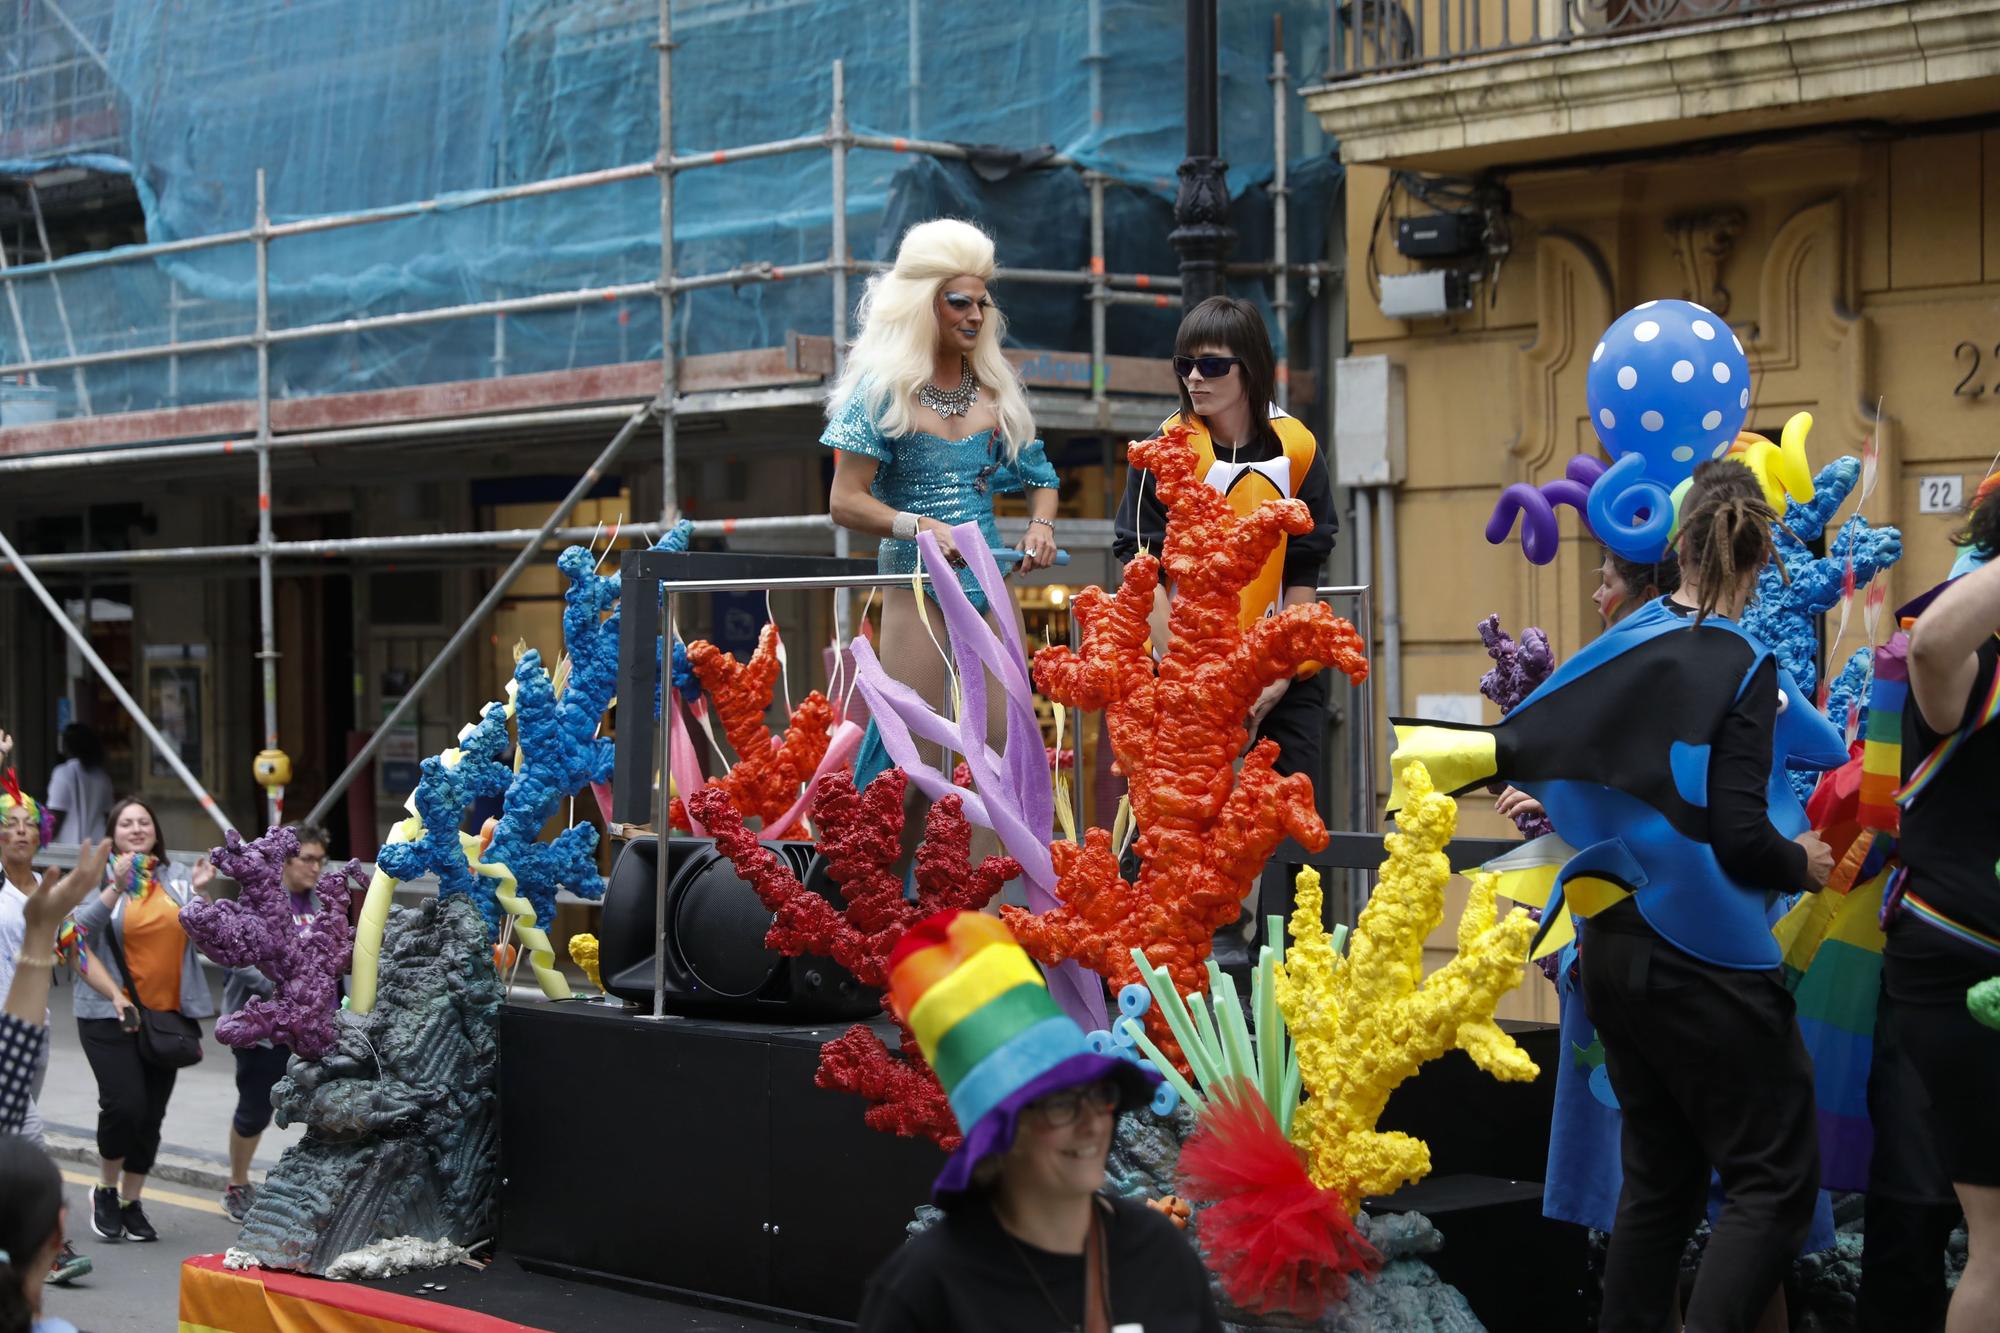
x=897, y=349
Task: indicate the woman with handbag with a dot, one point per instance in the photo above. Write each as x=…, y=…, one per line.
x=138, y=1011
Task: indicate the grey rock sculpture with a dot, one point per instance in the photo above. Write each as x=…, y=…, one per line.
x=402, y=1117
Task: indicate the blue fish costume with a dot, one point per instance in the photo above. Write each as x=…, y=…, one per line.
x=1638, y=812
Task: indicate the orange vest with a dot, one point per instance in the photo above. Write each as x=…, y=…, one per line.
x=1248, y=485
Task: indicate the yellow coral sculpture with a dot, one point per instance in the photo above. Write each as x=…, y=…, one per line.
x=583, y=952
x=1364, y=1022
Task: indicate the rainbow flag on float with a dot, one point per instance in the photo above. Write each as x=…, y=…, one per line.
x=1833, y=967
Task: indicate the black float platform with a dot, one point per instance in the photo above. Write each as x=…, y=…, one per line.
x=694, y=1161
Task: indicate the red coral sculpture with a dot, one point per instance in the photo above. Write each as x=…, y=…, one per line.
x=1204, y=830
x=769, y=771
x=861, y=835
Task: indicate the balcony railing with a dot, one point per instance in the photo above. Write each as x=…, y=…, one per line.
x=1379, y=36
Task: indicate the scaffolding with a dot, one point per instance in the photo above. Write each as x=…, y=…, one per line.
x=1101, y=288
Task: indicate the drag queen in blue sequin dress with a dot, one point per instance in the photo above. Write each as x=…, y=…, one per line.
x=929, y=422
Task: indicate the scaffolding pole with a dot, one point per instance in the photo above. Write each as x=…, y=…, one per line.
x=267, y=606
x=838, y=260
x=584, y=484
x=670, y=387
x=161, y=745
x=55, y=289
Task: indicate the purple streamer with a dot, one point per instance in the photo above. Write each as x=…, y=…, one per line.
x=1013, y=794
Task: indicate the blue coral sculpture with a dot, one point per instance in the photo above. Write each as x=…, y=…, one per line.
x=561, y=752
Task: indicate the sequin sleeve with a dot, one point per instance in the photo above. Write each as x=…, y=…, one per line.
x=850, y=428
x=1030, y=471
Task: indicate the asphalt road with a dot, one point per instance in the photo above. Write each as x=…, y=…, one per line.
x=136, y=1288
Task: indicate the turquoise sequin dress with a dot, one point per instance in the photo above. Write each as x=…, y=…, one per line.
x=953, y=481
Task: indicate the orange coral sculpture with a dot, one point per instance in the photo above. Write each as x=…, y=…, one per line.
x=769, y=771
x=1205, y=830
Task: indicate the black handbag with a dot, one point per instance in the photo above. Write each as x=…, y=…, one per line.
x=167, y=1040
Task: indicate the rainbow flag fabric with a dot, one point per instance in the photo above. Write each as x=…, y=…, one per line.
x=1833, y=965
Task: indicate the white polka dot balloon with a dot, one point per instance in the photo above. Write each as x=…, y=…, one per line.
x=1668, y=381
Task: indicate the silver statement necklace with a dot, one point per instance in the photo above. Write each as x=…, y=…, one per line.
x=952, y=402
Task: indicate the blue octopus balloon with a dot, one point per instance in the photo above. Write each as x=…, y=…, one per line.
x=1669, y=382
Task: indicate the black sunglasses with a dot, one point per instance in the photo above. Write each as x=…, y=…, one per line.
x=1211, y=367
x=960, y=301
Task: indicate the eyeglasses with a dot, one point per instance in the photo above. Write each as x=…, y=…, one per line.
x=1059, y=1109
x=311, y=860
x=1211, y=367
x=960, y=302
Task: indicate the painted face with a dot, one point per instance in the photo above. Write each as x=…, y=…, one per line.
x=1061, y=1140
x=302, y=871
x=1613, y=597
x=20, y=834
x=1220, y=393
x=961, y=308
x=134, y=831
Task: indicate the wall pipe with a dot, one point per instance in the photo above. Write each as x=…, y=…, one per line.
x=161, y=745
x=584, y=485
x=1281, y=298
x=1392, y=607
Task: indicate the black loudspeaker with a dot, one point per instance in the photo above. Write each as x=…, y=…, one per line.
x=717, y=965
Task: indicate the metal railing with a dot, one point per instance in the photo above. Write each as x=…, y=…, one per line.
x=1384, y=36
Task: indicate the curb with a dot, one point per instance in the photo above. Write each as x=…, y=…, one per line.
x=178, y=1167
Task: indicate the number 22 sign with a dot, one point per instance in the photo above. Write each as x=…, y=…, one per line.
x=1940, y=494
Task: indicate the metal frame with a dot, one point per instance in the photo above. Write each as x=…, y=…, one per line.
x=1101, y=288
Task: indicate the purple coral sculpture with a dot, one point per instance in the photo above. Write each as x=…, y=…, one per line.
x=1518, y=668
x=257, y=930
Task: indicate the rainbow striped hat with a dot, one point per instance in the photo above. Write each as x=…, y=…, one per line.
x=987, y=1024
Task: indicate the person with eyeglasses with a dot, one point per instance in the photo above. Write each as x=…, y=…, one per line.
x=1027, y=1239
x=259, y=1067
x=1251, y=450
x=928, y=422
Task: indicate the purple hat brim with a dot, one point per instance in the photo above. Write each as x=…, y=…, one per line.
x=995, y=1131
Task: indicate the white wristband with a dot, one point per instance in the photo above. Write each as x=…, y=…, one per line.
x=904, y=526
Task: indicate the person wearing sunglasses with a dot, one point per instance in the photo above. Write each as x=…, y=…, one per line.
x=1252, y=450
x=1027, y=1240
x=928, y=422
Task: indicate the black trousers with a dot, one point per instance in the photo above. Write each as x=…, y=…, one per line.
x=1297, y=722
x=1710, y=1072
x=1911, y=1209
x=258, y=1069
x=131, y=1094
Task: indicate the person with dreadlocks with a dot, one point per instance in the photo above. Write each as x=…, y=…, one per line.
x=1651, y=750
x=1943, y=912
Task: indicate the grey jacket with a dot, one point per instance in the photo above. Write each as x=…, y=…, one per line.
x=93, y=918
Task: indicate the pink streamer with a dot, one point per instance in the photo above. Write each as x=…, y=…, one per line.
x=840, y=751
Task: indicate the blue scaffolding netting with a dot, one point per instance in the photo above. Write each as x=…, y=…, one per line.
x=366, y=104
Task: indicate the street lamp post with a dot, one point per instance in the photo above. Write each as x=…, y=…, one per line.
x=1201, y=232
